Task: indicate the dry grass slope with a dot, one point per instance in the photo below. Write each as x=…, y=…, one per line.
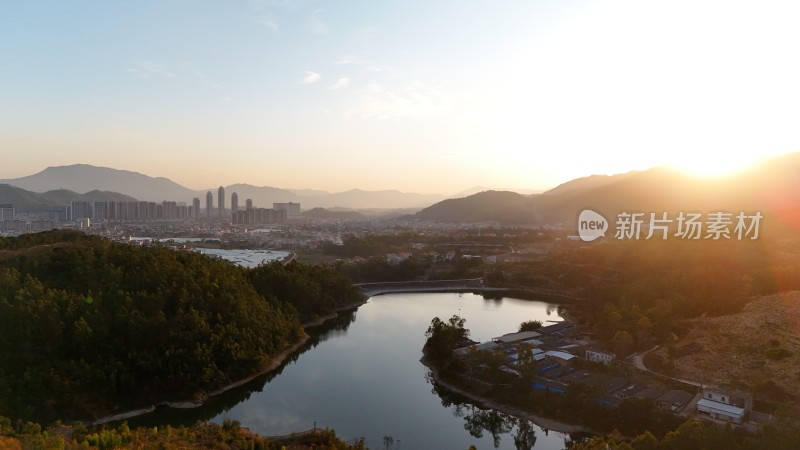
x=757, y=345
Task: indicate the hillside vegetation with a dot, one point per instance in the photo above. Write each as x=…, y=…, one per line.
x=228, y=436
x=89, y=327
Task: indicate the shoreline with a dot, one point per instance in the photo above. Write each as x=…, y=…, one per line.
x=543, y=422
x=281, y=357
x=399, y=287
x=321, y=320
x=274, y=363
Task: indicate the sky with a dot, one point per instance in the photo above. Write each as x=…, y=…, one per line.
x=418, y=96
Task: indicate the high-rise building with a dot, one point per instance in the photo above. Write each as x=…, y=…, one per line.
x=221, y=200
x=169, y=210
x=234, y=204
x=248, y=204
x=292, y=209
x=195, y=208
x=101, y=211
x=6, y=212
x=80, y=210
x=209, y=204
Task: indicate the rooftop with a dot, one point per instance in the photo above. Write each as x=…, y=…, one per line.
x=676, y=397
x=710, y=405
x=561, y=355
x=556, y=327
x=514, y=337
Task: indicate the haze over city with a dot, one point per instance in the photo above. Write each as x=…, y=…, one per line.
x=415, y=96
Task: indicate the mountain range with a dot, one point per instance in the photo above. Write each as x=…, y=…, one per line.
x=772, y=187
x=87, y=178
x=24, y=200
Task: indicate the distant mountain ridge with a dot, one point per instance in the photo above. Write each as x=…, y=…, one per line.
x=489, y=206
x=772, y=186
x=478, y=189
x=326, y=214
x=84, y=178
x=24, y=200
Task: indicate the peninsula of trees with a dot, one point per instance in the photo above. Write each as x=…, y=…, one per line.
x=89, y=327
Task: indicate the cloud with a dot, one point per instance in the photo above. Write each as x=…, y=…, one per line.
x=271, y=13
x=260, y=5
x=351, y=60
x=415, y=100
x=149, y=69
x=341, y=83
x=316, y=25
x=375, y=68
x=365, y=61
x=270, y=21
x=310, y=78
x=264, y=11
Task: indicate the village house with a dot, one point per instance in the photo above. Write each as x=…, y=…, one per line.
x=600, y=356
x=726, y=404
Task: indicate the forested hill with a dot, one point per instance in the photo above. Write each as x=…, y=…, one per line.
x=89, y=327
x=501, y=206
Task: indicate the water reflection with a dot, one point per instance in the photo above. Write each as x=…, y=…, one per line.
x=224, y=402
x=332, y=329
x=525, y=437
x=364, y=378
x=493, y=297
x=478, y=421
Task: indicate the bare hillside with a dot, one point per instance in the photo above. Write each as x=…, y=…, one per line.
x=758, y=345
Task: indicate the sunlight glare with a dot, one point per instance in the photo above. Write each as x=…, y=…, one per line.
x=713, y=165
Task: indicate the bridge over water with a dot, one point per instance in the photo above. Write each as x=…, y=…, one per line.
x=475, y=285
x=471, y=284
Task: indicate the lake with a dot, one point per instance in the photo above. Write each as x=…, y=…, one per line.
x=244, y=258
x=361, y=375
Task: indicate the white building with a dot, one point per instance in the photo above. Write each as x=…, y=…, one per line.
x=600, y=356
x=725, y=404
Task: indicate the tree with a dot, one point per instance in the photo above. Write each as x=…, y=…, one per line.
x=622, y=343
x=645, y=441
x=526, y=364
x=525, y=439
x=442, y=337
x=530, y=325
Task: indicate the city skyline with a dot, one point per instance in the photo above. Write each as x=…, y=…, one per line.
x=417, y=97
x=105, y=211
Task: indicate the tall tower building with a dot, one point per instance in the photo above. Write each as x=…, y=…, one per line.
x=196, y=208
x=221, y=200
x=209, y=203
x=234, y=204
x=248, y=204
